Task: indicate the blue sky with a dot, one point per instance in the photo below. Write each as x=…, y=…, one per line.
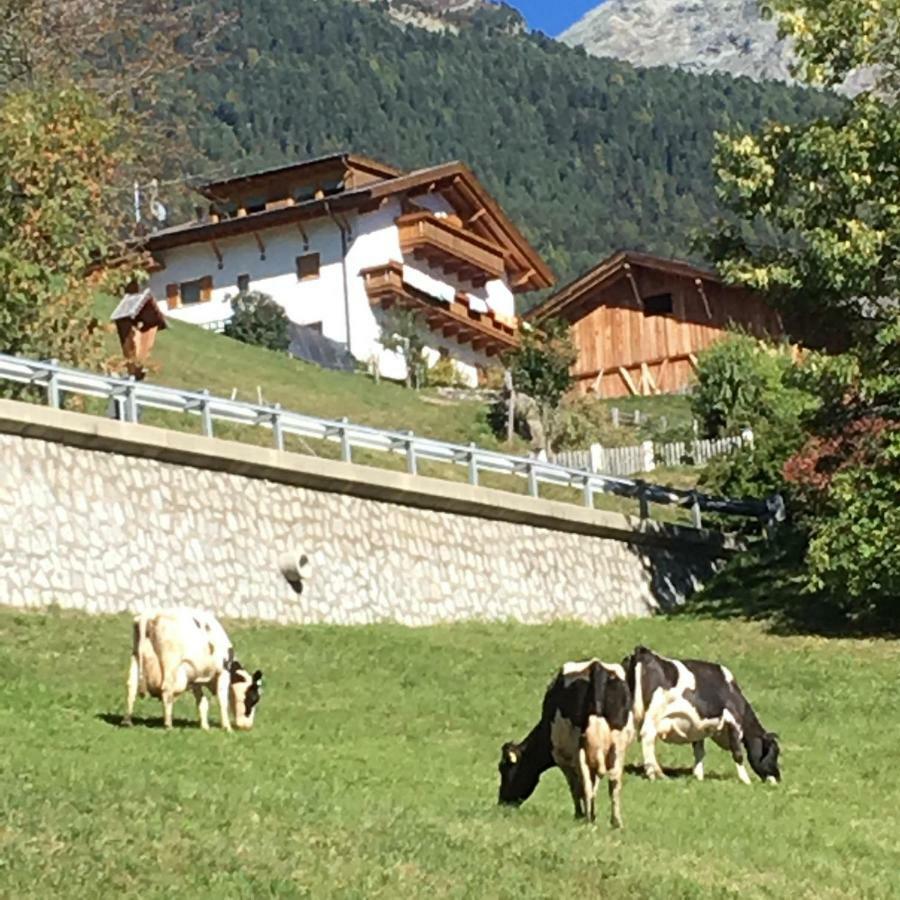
x=553, y=16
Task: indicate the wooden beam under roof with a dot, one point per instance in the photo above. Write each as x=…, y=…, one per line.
x=524, y=279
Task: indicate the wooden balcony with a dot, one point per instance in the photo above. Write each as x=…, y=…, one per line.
x=487, y=332
x=448, y=247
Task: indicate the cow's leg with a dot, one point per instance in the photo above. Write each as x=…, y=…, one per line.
x=134, y=676
x=168, y=701
x=652, y=767
x=202, y=705
x=733, y=737
x=586, y=783
x=699, y=753
x=174, y=683
x=223, y=685
x=649, y=731
x=575, y=789
x=615, y=769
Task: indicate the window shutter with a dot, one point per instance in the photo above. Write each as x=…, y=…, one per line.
x=206, y=286
x=173, y=296
x=307, y=266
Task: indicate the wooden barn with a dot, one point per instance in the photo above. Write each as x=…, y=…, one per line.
x=639, y=321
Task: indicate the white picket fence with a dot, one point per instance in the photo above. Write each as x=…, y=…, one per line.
x=648, y=455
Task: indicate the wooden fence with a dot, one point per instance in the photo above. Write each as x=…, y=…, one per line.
x=647, y=456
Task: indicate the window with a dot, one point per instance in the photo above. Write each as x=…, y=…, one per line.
x=243, y=283
x=307, y=267
x=658, y=305
x=199, y=290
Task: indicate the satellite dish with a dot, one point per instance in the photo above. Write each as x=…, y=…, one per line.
x=158, y=211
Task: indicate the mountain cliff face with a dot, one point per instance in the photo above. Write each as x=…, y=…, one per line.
x=699, y=35
x=451, y=15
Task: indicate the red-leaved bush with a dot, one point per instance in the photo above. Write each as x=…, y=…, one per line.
x=861, y=443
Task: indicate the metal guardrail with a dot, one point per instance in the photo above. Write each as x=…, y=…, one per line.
x=129, y=396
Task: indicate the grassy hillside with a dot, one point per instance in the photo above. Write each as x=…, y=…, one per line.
x=347, y=791
x=190, y=357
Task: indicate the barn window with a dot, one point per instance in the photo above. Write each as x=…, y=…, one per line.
x=658, y=305
x=199, y=290
x=307, y=267
x=243, y=283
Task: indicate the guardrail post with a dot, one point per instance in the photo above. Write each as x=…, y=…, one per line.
x=643, y=501
x=411, y=467
x=532, y=481
x=206, y=415
x=346, y=449
x=587, y=493
x=774, y=515
x=276, y=427
x=696, y=515
x=473, y=465
x=53, y=385
x=131, y=408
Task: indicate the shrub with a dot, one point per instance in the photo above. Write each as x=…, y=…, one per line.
x=741, y=381
x=259, y=320
x=541, y=365
x=444, y=373
x=400, y=333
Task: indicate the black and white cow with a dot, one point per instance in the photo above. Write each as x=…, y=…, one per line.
x=585, y=729
x=685, y=702
x=180, y=649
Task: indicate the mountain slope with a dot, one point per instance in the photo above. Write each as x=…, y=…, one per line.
x=587, y=154
x=696, y=35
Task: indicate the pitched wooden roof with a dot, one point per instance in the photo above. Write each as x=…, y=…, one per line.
x=375, y=170
x=454, y=180
x=609, y=270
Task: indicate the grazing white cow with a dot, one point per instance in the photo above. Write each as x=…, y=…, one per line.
x=585, y=728
x=181, y=648
x=685, y=701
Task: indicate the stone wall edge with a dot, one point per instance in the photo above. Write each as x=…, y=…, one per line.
x=95, y=433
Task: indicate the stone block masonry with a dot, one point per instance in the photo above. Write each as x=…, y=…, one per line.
x=106, y=516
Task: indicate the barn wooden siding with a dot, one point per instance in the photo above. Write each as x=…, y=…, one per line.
x=623, y=350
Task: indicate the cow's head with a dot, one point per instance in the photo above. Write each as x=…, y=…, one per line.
x=517, y=779
x=762, y=753
x=246, y=689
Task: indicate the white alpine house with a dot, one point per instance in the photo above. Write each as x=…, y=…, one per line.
x=339, y=240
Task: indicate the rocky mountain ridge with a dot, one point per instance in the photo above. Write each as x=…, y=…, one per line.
x=451, y=15
x=697, y=35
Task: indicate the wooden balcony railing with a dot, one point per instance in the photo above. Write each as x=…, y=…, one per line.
x=446, y=246
x=489, y=331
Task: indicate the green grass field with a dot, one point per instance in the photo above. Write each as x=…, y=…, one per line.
x=372, y=771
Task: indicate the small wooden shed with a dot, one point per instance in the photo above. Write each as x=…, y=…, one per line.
x=138, y=318
x=638, y=322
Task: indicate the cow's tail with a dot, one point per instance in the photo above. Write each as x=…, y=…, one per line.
x=611, y=698
x=138, y=649
x=599, y=677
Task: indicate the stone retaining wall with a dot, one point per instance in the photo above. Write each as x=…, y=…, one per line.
x=106, y=516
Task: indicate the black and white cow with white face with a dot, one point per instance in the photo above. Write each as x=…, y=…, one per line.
x=585, y=729
x=686, y=701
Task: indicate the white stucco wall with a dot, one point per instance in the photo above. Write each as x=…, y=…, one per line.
x=374, y=240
